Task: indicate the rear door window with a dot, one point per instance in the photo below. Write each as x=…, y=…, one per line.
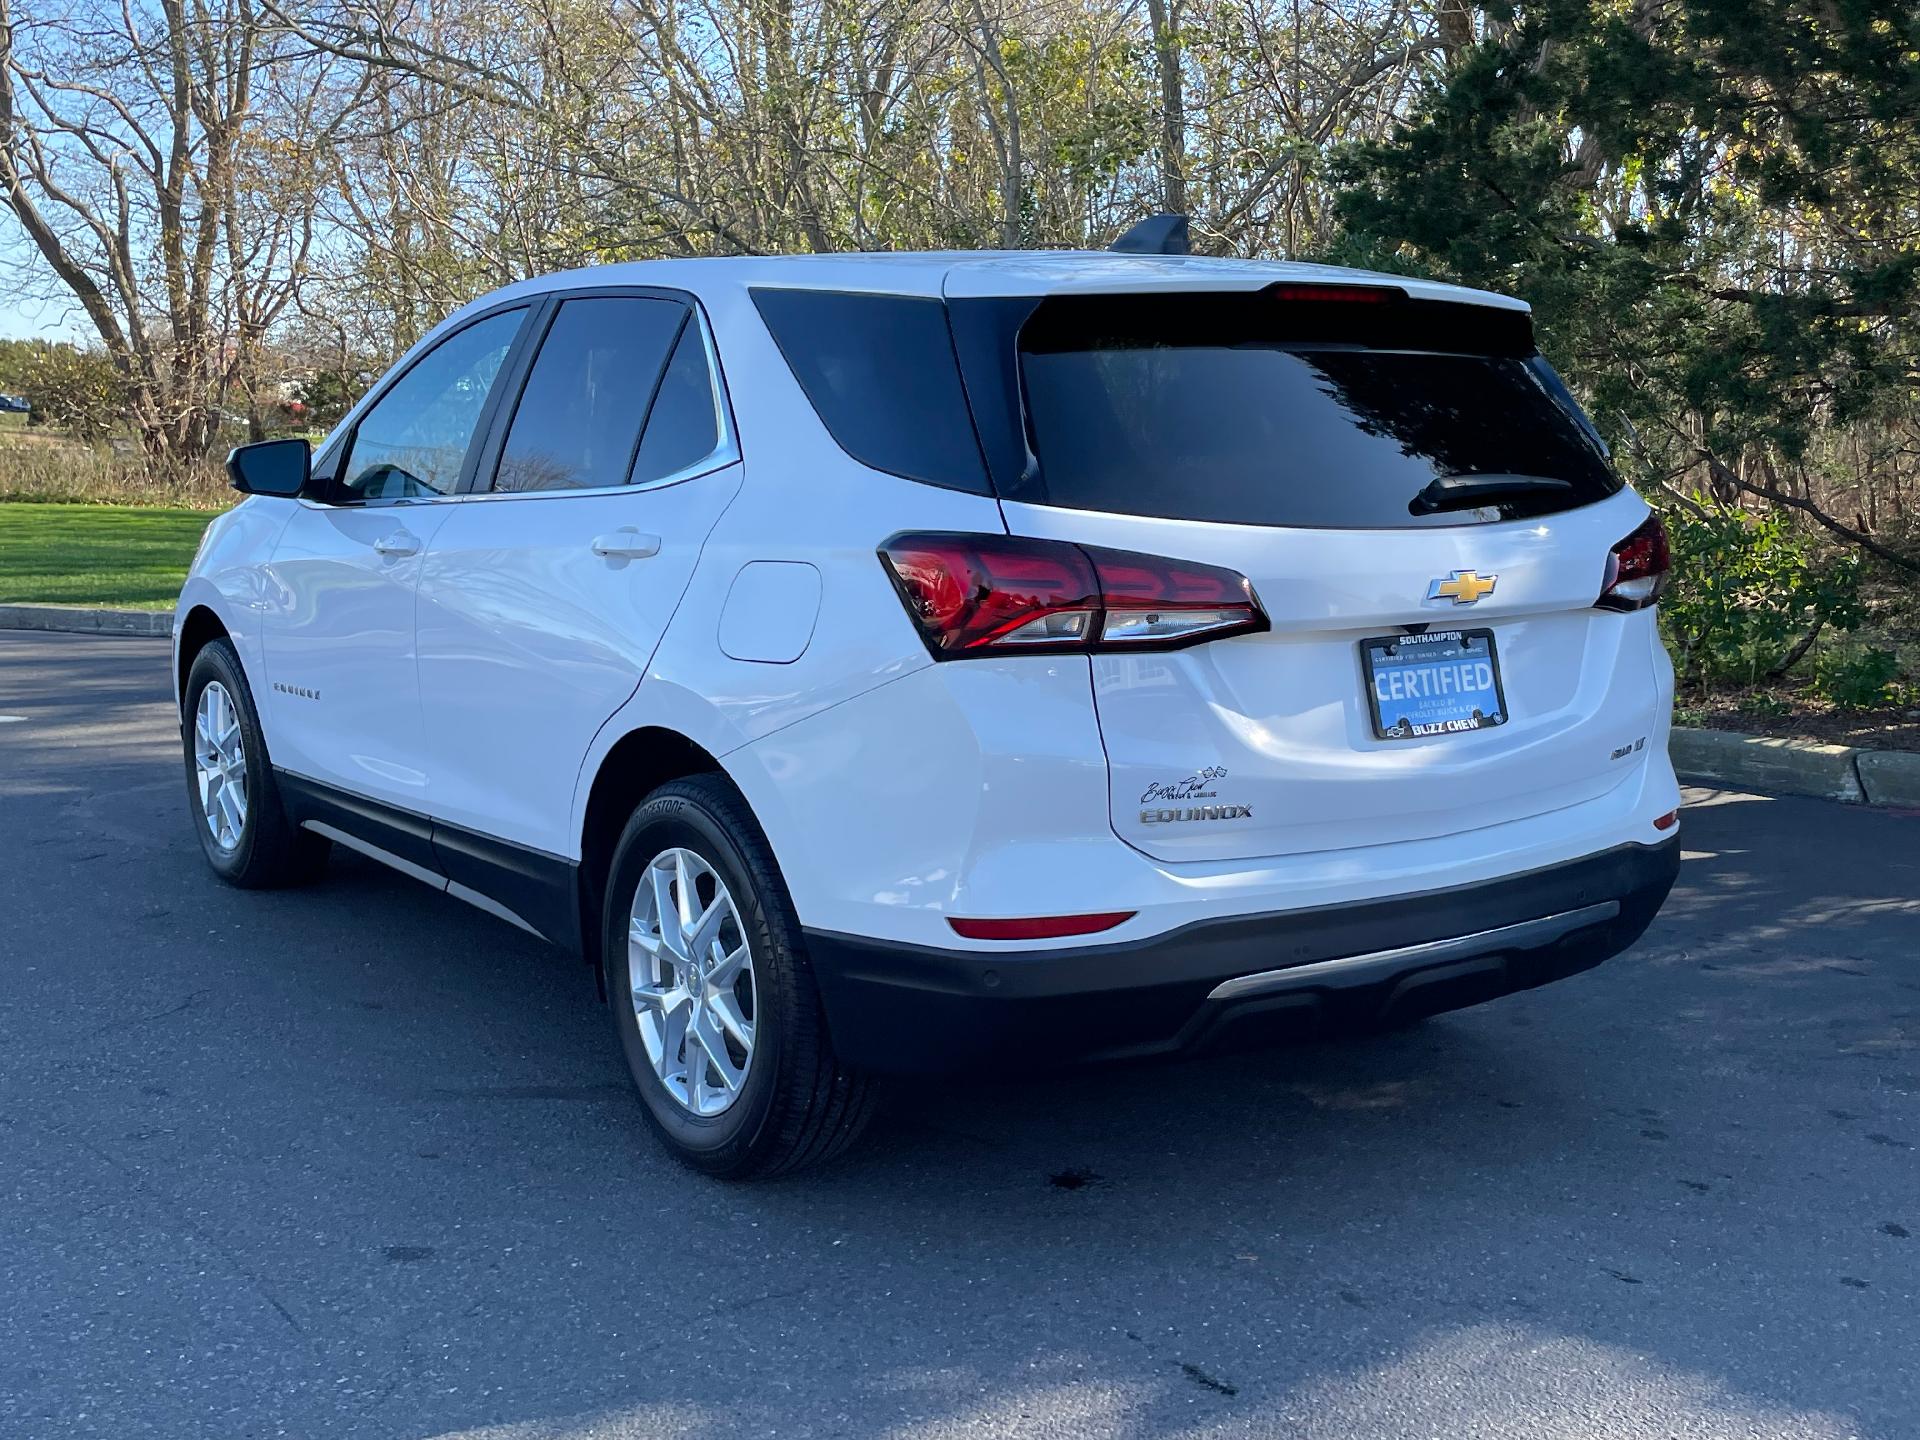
x=577, y=425
x=683, y=428
x=1248, y=411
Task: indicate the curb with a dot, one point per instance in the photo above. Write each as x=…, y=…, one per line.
x=82, y=620
x=1797, y=767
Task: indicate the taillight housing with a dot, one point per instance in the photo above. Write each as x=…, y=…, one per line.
x=999, y=594
x=1637, y=569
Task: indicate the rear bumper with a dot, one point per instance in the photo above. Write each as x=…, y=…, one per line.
x=1241, y=979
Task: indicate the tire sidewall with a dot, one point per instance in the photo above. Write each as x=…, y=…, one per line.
x=717, y=1142
x=218, y=662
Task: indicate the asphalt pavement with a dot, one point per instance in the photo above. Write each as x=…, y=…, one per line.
x=361, y=1161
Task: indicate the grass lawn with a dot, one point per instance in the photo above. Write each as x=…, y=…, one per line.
x=97, y=554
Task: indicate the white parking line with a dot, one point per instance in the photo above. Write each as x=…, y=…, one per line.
x=12, y=719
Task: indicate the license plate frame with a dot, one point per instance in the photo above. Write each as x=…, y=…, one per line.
x=1445, y=646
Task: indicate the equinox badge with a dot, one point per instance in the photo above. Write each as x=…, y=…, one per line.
x=1196, y=812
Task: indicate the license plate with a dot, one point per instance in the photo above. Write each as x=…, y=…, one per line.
x=1440, y=683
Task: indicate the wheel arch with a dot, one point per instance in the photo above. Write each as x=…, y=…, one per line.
x=637, y=764
x=197, y=629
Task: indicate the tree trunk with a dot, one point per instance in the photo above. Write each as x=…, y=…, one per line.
x=1173, y=105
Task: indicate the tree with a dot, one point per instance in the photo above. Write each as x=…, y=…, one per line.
x=135, y=157
x=74, y=389
x=1714, y=206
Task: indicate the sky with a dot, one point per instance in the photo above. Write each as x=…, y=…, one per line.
x=33, y=320
x=24, y=318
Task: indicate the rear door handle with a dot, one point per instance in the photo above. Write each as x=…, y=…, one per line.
x=626, y=543
x=401, y=542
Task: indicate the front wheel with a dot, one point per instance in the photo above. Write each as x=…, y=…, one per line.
x=243, y=828
x=712, y=995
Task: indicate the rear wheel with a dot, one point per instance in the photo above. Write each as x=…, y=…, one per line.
x=231, y=794
x=712, y=995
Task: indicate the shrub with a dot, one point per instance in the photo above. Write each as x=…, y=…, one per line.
x=45, y=467
x=1857, y=679
x=1750, y=596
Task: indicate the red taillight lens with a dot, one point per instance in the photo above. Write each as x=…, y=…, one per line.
x=1637, y=569
x=972, y=594
x=1039, y=927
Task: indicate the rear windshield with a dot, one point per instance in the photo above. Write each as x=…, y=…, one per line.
x=1255, y=411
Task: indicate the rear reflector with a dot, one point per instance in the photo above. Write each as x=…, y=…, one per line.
x=1637, y=569
x=1666, y=821
x=1039, y=927
x=981, y=594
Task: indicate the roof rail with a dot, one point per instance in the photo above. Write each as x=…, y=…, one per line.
x=1162, y=234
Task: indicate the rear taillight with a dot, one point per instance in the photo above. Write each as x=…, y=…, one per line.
x=1637, y=569
x=978, y=594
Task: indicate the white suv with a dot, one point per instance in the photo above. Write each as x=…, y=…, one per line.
x=909, y=662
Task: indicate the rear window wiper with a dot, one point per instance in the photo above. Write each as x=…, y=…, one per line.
x=1467, y=492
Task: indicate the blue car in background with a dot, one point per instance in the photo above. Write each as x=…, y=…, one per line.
x=14, y=404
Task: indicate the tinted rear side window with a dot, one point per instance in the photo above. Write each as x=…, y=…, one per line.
x=880, y=372
x=1252, y=413
x=683, y=426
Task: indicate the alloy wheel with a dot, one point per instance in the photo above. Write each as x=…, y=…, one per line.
x=220, y=765
x=690, y=972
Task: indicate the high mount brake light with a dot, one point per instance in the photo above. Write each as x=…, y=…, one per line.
x=992, y=594
x=1638, y=569
x=1337, y=294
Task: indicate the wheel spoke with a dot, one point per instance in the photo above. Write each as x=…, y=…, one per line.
x=727, y=1007
x=727, y=968
x=670, y=1003
x=683, y=889
x=704, y=932
x=714, y=1047
x=666, y=911
x=230, y=811
x=695, y=1073
x=641, y=940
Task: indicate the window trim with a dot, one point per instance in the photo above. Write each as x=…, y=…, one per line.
x=726, y=450
x=333, y=457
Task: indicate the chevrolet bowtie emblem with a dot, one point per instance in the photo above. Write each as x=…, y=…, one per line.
x=1463, y=587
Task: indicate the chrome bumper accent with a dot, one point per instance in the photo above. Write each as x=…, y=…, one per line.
x=1527, y=935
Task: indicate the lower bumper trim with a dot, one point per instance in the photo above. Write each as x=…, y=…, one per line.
x=1237, y=980
x=1358, y=969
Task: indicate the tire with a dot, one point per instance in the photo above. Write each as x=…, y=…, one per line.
x=793, y=1104
x=257, y=846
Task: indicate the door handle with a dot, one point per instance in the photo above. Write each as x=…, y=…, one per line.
x=401, y=542
x=626, y=543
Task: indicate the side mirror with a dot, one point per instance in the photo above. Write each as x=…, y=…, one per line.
x=271, y=467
